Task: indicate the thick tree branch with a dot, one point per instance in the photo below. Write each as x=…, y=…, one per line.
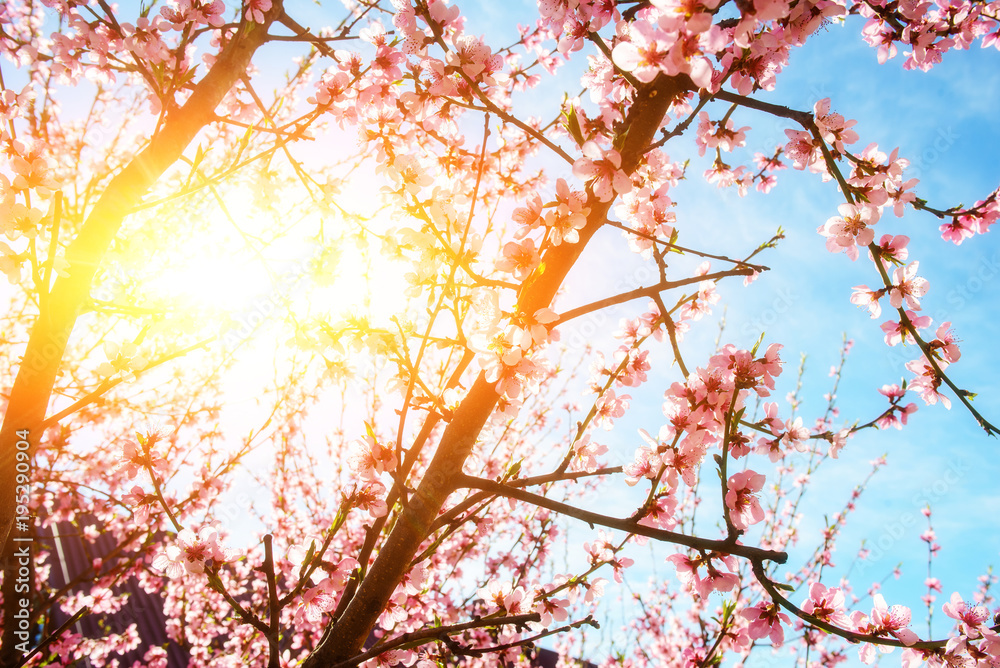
x=439, y=634
x=345, y=637
x=761, y=575
x=629, y=526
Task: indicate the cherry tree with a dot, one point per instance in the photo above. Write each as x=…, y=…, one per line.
x=379, y=245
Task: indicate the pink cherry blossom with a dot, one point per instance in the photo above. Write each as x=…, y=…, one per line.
x=256, y=9
x=898, y=414
x=766, y=622
x=370, y=459
x=835, y=129
x=741, y=498
x=893, y=620
x=602, y=170
x=946, y=342
x=970, y=617
x=957, y=230
x=893, y=247
x=897, y=332
x=610, y=407
x=528, y=217
x=618, y=565
x=587, y=452
x=551, y=609
x=519, y=259
x=927, y=381
x=316, y=601
x=852, y=228
x=715, y=579
x=192, y=554
x=827, y=604
x=884, y=621
x=529, y=331
x=906, y=285
x=646, y=464
x=391, y=659
x=865, y=297
x=142, y=502
x=140, y=458
x=647, y=52
x=371, y=497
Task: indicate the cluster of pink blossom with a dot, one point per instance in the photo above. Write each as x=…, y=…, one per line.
x=699, y=413
x=874, y=184
x=929, y=29
x=33, y=181
x=453, y=551
x=977, y=219
x=505, y=348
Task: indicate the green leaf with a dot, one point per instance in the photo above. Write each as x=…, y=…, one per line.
x=573, y=125
x=199, y=156
x=757, y=345
x=738, y=417
x=245, y=139
x=214, y=583
x=673, y=240
x=309, y=556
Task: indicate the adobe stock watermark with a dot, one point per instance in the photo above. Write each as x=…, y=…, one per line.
x=23, y=539
x=233, y=509
x=579, y=332
x=782, y=304
x=942, y=143
x=895, y=530
x=253, y=316
x=977, y=281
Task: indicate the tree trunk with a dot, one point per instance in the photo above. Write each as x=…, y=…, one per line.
x=345, y=636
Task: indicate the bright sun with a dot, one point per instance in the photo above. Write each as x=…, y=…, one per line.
x=211, y=281
x=238, y=265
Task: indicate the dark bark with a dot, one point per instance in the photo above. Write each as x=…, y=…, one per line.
x=345, y=637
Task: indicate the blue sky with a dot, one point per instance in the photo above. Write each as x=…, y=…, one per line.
x=944, y=123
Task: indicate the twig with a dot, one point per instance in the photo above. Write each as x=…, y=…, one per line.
x=852, y=636
x=649, y=291
x=52, y=637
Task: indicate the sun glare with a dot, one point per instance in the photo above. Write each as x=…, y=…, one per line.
x=225, y=269
x=358, y=283
x=232, y=270
x=217, y=282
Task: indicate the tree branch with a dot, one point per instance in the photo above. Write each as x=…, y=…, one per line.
x=629, y=526
x=344, y=638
